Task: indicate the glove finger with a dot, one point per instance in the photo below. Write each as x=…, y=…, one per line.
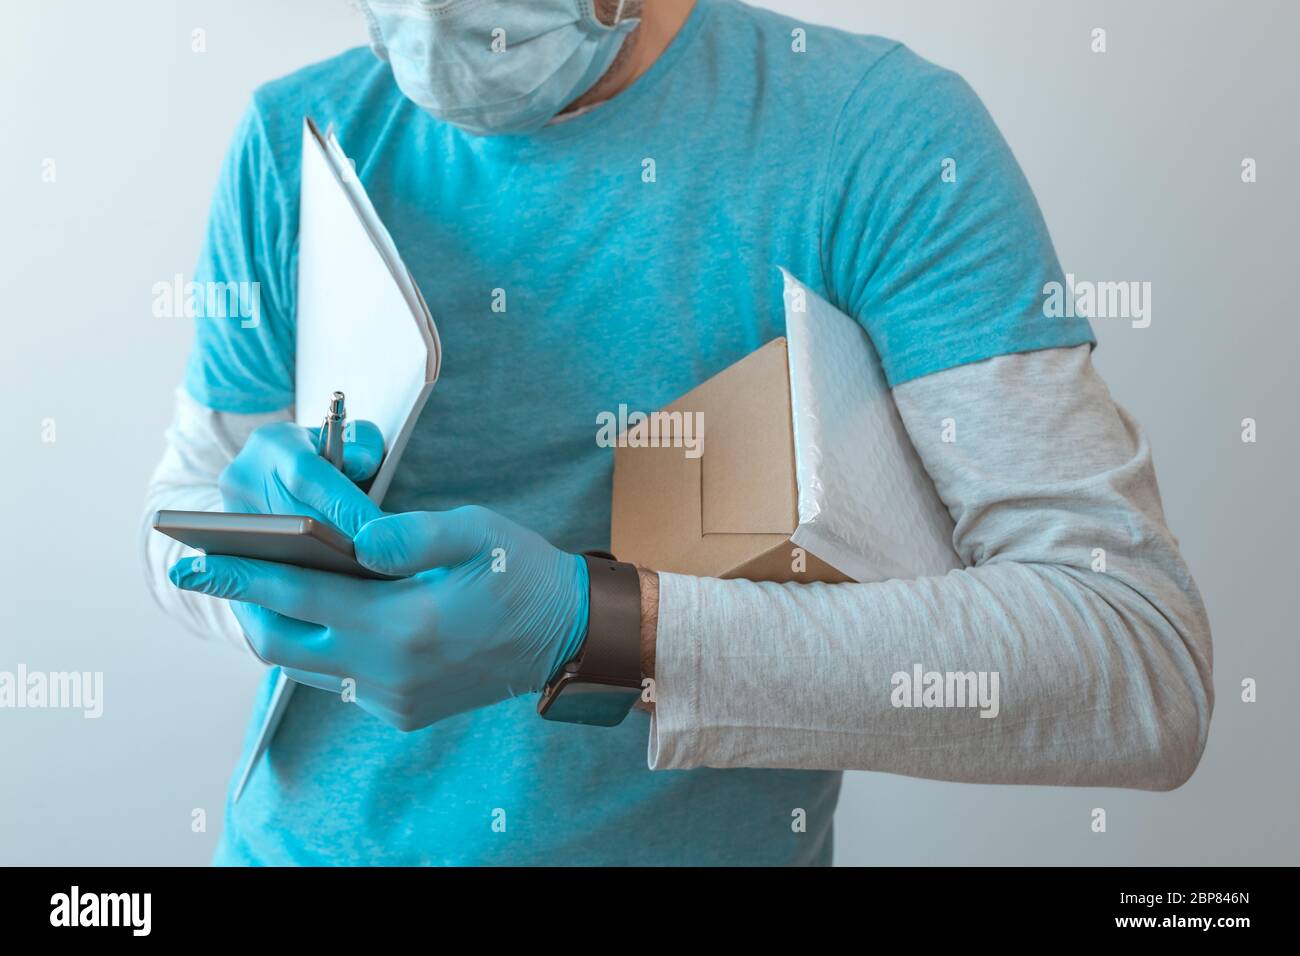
x=325, y=682
x=318, y=485
x=317, y=597
x=415, y=541
x=376, y=703
x=278, y=471
x=283, y=640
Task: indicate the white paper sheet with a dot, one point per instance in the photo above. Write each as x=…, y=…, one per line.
x=362, y=327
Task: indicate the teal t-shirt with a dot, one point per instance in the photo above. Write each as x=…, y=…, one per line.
x=635, y=248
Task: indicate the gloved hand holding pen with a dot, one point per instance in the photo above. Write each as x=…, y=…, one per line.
x=489, y=610
x=278, y=471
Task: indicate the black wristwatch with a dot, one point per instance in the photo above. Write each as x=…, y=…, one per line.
x=602, y=683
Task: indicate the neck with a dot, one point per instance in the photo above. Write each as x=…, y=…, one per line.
x=660, y=21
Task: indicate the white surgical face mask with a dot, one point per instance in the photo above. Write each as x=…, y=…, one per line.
x=494, y=66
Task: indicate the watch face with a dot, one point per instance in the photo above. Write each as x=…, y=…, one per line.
x=599, y=705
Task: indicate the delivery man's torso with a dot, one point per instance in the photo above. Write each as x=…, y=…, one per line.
x=620, y=257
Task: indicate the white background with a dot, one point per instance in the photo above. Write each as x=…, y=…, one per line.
x=1135, y=156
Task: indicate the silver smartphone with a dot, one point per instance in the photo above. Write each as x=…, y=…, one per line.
x=288, y=539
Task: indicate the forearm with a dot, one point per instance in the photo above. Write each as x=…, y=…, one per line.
x=1102, y=671
x=199, y=444
x=1066, y=685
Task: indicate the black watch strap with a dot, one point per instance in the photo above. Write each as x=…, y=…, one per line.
x=602, y=683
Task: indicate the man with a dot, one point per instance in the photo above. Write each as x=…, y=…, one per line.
x=631, y=175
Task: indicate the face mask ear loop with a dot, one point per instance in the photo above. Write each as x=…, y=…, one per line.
x=376, y=38
x=618, y=14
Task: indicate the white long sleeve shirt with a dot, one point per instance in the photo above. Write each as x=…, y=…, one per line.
x=1076, y=609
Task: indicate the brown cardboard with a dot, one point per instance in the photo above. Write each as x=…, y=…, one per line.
x=728, y=513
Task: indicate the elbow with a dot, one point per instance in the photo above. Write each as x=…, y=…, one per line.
x=1180, y=705
x=1183, y=739
x=1160, y=680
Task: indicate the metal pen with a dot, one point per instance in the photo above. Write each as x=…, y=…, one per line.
x=330, y=443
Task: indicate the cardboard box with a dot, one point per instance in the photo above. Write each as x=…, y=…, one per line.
x=803, y=471
x=729, y=512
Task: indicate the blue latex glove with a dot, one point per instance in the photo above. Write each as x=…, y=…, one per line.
x=279, y=472
x=490, y=610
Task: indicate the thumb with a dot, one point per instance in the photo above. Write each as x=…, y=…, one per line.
x=415, y=541
x=363, y=448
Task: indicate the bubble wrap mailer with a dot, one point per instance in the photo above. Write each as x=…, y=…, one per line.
x=866, y=504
